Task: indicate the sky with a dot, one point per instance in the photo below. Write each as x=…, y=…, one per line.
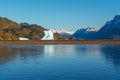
x=61, y=14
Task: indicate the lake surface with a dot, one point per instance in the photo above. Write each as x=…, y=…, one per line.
x=60, y=62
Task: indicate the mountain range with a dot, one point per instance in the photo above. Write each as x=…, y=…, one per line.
x=111, y=30
x=10, y=30
x=86, y=33
x=67, y=33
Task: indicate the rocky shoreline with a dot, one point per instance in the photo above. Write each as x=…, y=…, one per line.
x=60, y=42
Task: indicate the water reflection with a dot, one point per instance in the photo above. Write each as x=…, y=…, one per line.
x=24, y=52
x=59, y=62
x=88, y=50
x=111, y=54
x=52, y=50
x=6, y=54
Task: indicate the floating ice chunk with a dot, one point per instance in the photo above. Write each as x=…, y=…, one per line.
x=20, y=38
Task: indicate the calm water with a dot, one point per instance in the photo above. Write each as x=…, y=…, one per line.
x=59, y=62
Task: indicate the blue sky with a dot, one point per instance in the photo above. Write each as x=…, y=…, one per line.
x=67, y=14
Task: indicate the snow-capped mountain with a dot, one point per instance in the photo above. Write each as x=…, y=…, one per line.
x=64, y=32
x=111, y=30
x=87, y=33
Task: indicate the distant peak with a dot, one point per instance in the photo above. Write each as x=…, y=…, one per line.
x=117, y=17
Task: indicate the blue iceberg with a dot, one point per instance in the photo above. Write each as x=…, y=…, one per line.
x=48, y=35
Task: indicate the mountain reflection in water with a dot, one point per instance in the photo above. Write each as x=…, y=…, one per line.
x=111, y=54
x=60, y=62
x=24, y=52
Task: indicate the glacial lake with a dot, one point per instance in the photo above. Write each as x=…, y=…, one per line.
x=60, y=62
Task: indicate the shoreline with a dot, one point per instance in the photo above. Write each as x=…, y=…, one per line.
x=60, y=42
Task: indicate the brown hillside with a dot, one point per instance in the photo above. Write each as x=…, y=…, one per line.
x=10, y=30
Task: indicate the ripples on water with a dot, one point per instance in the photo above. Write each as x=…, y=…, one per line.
x=59, y=62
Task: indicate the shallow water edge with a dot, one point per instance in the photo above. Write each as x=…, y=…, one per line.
x=60, y=42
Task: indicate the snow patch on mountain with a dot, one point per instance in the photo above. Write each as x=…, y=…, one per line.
x=63, y=31
x=92, y=29
x=85, y=33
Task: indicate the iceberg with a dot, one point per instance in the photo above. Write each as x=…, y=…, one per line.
x=20, y=38
x=48, y=35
